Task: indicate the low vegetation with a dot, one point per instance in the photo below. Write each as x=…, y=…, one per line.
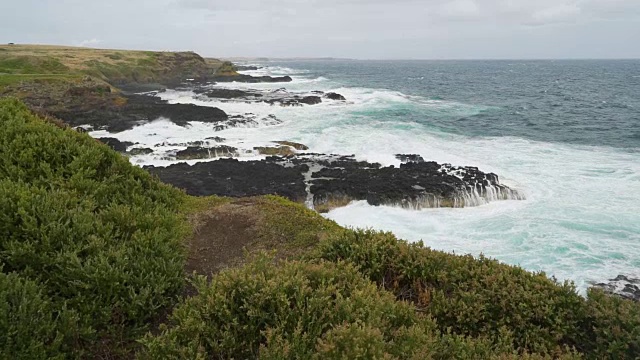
x=93, y=258
x=112, y=66
x=90, y=234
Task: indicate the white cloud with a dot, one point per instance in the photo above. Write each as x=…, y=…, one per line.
x=339, y=28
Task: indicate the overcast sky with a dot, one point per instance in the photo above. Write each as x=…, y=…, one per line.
x=373, y=29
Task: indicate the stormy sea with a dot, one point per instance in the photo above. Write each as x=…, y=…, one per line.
x=565, y=134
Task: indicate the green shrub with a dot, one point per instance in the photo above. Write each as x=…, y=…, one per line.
x=31, y=328
x=611, y=328
x=100, y=235
x=467, y=296
x=281, y=312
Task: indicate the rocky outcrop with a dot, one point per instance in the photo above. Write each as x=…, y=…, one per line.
x=140, y=151
x=412, y=185
x=334, y=96
x=198, y=152
x=407, y=158
x=136, y=110
x=230, y=177
x=622, y=286
x=292, y=144
x=334, y=180
x=310, y=100
x=280, y=97
x=274, y=150
x=115, y=144
x=247, y=120
x=228, y=93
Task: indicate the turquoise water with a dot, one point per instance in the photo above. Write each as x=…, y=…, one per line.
x=583, y=102
x=566, y=133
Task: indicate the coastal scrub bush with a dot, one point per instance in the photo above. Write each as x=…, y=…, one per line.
x=310, y=310
x=281, y=311
x=97, y=235
x=30, y=328
x=303, y=310
x=611, y=328
x=467, y=296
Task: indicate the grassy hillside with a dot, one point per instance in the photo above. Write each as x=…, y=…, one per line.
x=113, y=66
x=100, y=260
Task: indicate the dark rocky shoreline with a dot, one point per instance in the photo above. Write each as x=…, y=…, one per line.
x=324, y=181
x=139, y=109
x=330, y=181
x=280, y=96
x=622, y=286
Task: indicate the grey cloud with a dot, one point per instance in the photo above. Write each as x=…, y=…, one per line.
x=340, y=28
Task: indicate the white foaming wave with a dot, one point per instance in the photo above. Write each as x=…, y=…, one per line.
x=329, y=120
x=165, y=138
x=273, y=71
x=574, y=226
x=581, y=219
x=298, y=83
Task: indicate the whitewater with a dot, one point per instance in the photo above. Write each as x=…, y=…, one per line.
x=581, y=217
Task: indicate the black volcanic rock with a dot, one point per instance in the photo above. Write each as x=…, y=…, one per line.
x=199, y=152
x=311, y=100
x=622, y=286
x=230, y=94
x=406, y=158
x=140, y=151
x=115, y=144
x=334, y=96
x=334, y=179
x=230, y=177
x=137, y=110
x=280, y=97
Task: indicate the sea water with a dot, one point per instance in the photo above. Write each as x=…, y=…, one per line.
x=564, y=133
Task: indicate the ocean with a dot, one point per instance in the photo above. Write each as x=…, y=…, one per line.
x=564, y=133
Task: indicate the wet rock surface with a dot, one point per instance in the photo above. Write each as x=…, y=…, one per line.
x=140, y=151
x=230, y=177
x=115, y=144
x=327, y=180
x=292, y=144
x=227, y=93
x=622, y=286
x=335, y=96
x=407, y=158
x=139, y=109
x=247, y=120
x=280, y=97
x=199, y=152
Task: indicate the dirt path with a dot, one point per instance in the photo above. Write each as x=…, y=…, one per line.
x=221, y=235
